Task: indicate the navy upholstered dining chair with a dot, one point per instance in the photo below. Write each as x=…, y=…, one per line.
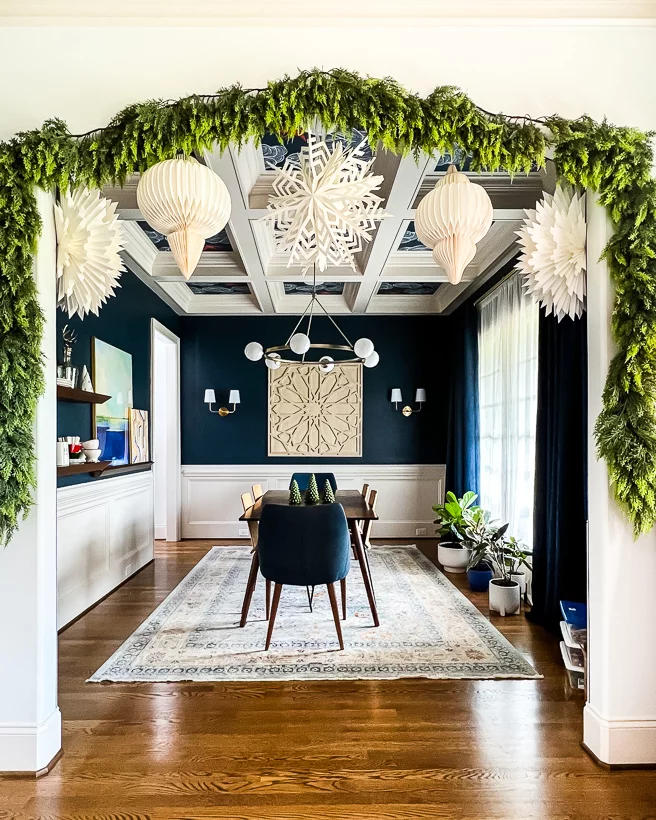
x=303, y=479
x=305, y=546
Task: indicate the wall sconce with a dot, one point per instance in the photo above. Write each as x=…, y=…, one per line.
x=233, y=399
x=420, y=398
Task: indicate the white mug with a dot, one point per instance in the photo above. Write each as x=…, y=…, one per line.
x=62, y=454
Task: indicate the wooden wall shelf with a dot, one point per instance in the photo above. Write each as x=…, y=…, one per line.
x=124, y=469
x=82, y=396
x=94, y=468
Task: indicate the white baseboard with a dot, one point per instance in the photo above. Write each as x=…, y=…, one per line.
x=619, y=742
x=211, y=494
x=30, y=748
x=104, y=535
x=160, y=532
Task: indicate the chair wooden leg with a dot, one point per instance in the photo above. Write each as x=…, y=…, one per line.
x=250, y=586
x=333, y=606
x=268, y=599
x=342, y=587
x=274, y=609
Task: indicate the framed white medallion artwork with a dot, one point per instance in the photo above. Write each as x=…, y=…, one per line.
x=313, y=413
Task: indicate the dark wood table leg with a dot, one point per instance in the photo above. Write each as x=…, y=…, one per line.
x=364, y=568
x=250, y=586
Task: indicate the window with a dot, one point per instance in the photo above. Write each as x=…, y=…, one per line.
x=507, y=380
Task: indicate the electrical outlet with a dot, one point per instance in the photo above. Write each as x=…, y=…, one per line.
x=420, y=531
x=128, y=570
x=243, y=533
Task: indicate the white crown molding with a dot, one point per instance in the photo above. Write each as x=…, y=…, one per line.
x=162, y=13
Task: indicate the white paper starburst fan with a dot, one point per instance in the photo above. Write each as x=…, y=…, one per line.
x=89, y=241
x=553, y=260
x=324, y=208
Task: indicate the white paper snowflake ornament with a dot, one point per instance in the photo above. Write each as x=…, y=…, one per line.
x=553, y=259
x=324, y=208
x=89, y=241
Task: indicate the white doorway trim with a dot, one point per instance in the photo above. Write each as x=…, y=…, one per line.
x=166, y=448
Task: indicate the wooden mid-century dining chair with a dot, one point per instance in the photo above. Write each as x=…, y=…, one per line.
x=365, y=491
x=247, y=502
x=366, y=528
x=258, y=492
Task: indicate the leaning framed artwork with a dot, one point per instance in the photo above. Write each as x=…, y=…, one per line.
x=112, y=375
x=139, y=437
x=313, y=413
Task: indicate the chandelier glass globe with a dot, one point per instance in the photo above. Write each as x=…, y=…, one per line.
x=363, y=348
x=254, y=351
x=272, y=361
x=300, y=343
x=326, y=364
x=372, y=359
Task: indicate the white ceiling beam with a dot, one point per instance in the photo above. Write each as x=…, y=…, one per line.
x=239, y=170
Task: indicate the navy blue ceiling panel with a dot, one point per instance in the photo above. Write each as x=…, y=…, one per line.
x=218, y=288
x=219, y=242
x=276, y=152
x=324, y=289
x=410, y=240
x=408, y=288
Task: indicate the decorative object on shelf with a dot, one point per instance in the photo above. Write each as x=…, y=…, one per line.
x=66, y=373
x=75, y=450
x=312, y=493
x=553, y=258
x=233, y=399
x=187, y=202
x=295, y=493
x=420, y=399
x=62, y=454
x=112, y=375
x=300, y=343
x=451, y=219
x=328, y=494
x=89, y=242
x=139, y=436
x=85, y=380
x=313, y=413
x=323, y=208
x=91, y=449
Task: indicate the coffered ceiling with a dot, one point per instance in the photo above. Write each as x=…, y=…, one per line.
x=241, y=272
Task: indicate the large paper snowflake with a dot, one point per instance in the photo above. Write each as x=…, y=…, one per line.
x=324, y=208
x=553, y=261
x=89, y=241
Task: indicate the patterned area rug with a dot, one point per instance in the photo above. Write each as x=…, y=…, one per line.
x=428, y=629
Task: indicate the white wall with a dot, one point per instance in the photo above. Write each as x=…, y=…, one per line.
x=211, y=494
x=104, y=535
x=159, y=432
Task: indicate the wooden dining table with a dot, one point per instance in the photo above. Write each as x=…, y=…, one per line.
x=356, y=510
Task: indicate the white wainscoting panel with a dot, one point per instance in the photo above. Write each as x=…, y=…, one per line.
x=211, y=503
x=104, y=535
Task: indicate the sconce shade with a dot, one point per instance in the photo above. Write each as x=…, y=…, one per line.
x=396, y=395
x=420, y=395
x=234, y=397
x=210, y=397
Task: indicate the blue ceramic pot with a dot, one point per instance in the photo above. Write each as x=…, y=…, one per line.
x=479, y=579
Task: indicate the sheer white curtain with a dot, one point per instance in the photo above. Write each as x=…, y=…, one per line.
x=508, y=386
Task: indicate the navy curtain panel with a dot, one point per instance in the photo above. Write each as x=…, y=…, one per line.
x=462, y=455
x=560, y=511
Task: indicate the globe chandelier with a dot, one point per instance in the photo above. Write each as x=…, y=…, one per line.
x=300, y=343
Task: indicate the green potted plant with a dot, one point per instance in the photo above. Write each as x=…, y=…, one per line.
x=517, y=556
x=481, y=534
x=453, y=519
x=504, y=592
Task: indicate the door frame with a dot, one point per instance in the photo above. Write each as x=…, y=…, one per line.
x=174, y=451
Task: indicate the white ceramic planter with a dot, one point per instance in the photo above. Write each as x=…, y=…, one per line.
x=520, y=577
x=504, y=599
x=453, y=559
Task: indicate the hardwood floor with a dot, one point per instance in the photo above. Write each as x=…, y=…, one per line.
x=337, y=750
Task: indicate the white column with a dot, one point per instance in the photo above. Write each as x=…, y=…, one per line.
x=30, y=721
x=619, y=720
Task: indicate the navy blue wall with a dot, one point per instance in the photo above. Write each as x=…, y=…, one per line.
x=413, y=353
x=124, y=321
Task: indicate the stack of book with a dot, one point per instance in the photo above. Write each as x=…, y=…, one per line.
x=573, y=647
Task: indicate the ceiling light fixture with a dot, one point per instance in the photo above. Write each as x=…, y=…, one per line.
x=451, y=219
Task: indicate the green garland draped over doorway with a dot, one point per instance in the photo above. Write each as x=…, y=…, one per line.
x=613, y=161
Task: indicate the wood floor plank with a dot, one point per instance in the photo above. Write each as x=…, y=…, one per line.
x=316, y=750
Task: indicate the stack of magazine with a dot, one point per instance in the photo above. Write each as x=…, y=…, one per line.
x=573, y=647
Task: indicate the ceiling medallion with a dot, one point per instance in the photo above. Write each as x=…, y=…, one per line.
x=299, y=342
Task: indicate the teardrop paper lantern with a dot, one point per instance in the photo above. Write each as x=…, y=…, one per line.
x=451, y=219
x=187, y=202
